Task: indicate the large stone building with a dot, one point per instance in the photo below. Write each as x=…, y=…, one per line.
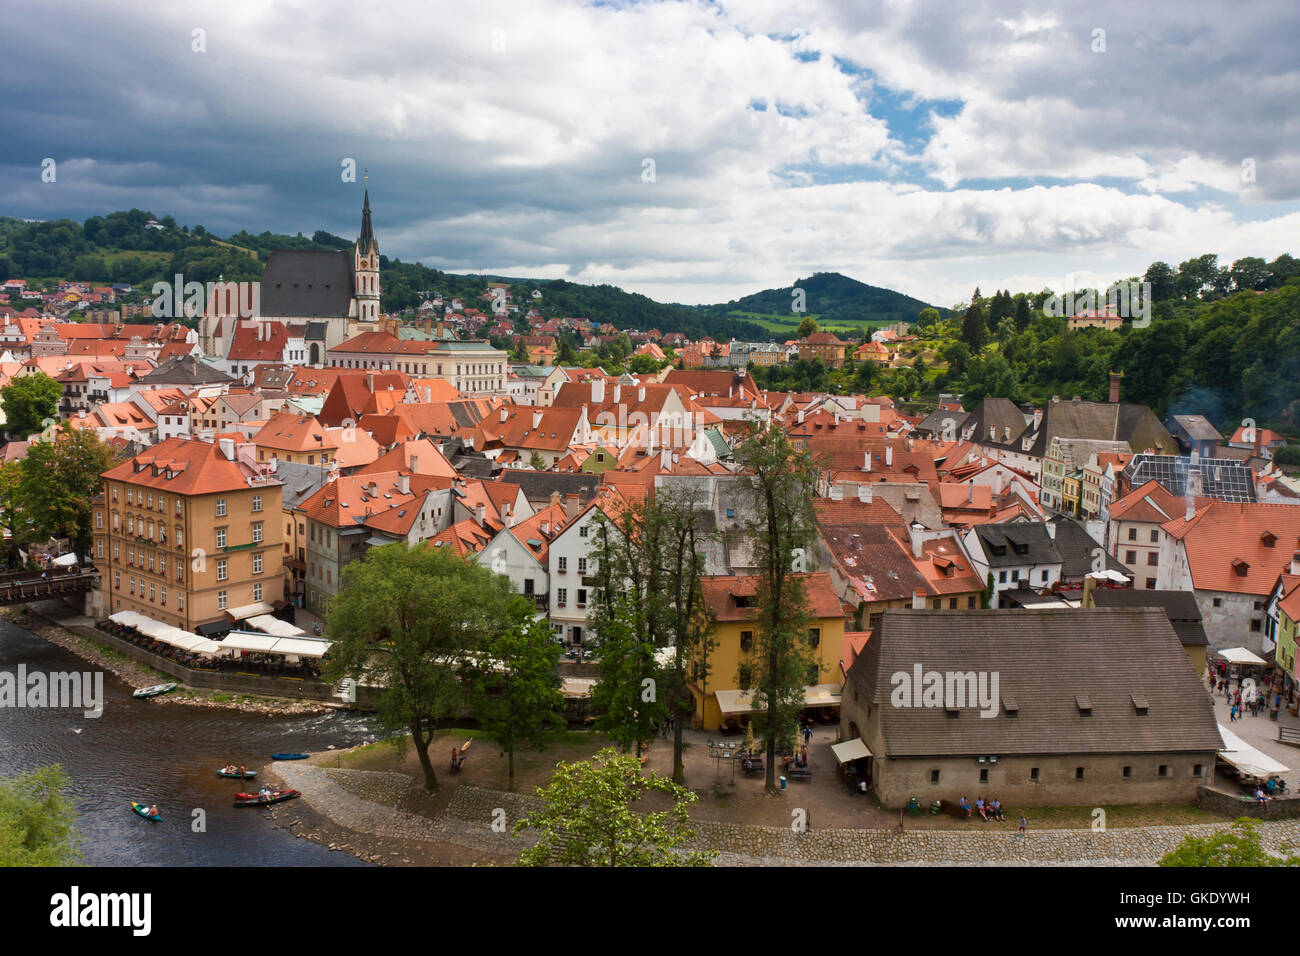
x=187, y=534
x=332, y=293
x=1057, y=708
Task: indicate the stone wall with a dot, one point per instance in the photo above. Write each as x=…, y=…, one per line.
x=1231, y=804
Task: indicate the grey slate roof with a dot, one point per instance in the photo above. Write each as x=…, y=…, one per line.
x=1044, y=659
x=1197, y=427
x=1032, y=537
x=185, y=370
x=1179, y=606
x=307, y=283
x=1077, y=549
x=538, y=485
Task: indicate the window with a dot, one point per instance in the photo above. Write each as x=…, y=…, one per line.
x=873, y=620
x=1164, y=770
x=257, y=532
x=1196, y=770
x=1130, y=557
x=1128, y=773
x=117, y=551
x=1078, y=773
x=984, y=775
x=257, y=564
x=180, y=601
x=221, y=600
x=1132, y=534
x=130, y=555
x=814, y=636
x=564, y=565
x=1155, y=537
x=1151, y=584
x=1002, y=577
x=1218, y=602
x=257, y=502
x=222, y=573
x=152, y=595
x=582, y=532
x=952, y=604
x=1153, y=559
x=99, y=521
x=162, y=595
x=582, y=565
x=151, y=499
x=221, y=507
x=132, y=582
x=582, y=597
x=257, y=593
x=934, y=776
x=221, y=537
x=1254, y=626
x=117, y=580
x=562, y=597
x=1033, y=774
x=970, y=601
x=746, y=640
x=99, y=549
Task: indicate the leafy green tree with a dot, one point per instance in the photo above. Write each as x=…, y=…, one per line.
x=974, y=330
x=60, y=479
x=11, y=509
x=782, y=482
x=1238, y=846
x=38, y=820
x=536, y=462
x=414, y=621
x=30, y=404
x=629, y=615
x=517, y=687
x=589, y=818
x=807, y=327
x=927, y=318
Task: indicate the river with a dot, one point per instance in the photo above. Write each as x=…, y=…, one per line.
x=167, y=755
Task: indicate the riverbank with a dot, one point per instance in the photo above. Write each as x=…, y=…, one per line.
x=384, y=816
x=55, y=621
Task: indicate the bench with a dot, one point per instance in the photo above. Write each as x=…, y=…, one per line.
x=1289, y=735
x=955, y=808
x=798, y=773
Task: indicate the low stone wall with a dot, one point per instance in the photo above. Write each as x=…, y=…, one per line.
x=222, y=681
x=1277, y=808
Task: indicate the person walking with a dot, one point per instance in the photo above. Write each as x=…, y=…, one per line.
x=1023, y=823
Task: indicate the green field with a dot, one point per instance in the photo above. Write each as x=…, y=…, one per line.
x=788, y=324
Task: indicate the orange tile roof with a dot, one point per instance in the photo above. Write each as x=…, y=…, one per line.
x=1223, y=537
x=196, y=468
x=720, y=592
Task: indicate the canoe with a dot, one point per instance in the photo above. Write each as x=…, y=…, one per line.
x=155, y=690
x=248, y=775
x=141, y=809
x=251, y=799
x=289, y=756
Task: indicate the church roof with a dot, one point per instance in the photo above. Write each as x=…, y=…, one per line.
x=307, y=283
x=367, y=234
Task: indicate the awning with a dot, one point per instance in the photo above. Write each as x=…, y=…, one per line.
x=64, y=560
x=853, y=749
x=250, y=610
x=1239, y=655
x=742, y=701
x=273, y=625
x=1246, y=758
x=213, y=627
x=127, y=618
x=577, y=686
x=269, y=644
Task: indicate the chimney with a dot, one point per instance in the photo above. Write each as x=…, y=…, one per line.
x=597, y=391
x=370, y=381
x=1114, y=387
x=1295, y=562
x=970, y=493
x=1190, y=513
x=918, y=599
x=889, y=456
x=837, y=493
x=914, y=531
x=480, y=514
x=373, y=489
x=864, y=493
x=537, y=420
x=866, y=462
x=618, y=393
x=1006, y=433
x=800, y=415
x=666, y=460
x=555, y=498
x=640, y=394
x=505, y=414
x=1038, y=418
x=1051, y=530
x=227, y=448
x=546, y=529
x=571, y=503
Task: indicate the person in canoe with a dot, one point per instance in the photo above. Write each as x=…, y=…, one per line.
x=264, y=794
x=152, y=810
x=231, y=768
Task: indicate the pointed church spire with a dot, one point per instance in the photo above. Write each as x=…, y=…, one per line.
x=367, y=234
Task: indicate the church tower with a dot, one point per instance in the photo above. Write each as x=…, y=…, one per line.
x=365, y=267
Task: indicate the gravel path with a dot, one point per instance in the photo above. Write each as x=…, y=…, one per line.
x=362, y=801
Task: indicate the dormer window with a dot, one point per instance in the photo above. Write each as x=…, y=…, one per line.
x=1140, y=704
x=1241, y=567
x=1268, y=538
x=1084, y=703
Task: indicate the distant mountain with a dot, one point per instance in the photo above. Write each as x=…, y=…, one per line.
x=833, y=298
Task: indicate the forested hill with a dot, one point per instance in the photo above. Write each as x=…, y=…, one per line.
x=833, y=298
x=124, y=247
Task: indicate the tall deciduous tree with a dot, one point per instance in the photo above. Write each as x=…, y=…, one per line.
x=60, y=479
x=588, y=818
x=414, y=621
x=518, y=687
x=30, y=403
x=782, y=482
x=807, y=327
x=1238, y=846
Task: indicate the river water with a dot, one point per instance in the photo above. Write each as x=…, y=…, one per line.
x=167, y=755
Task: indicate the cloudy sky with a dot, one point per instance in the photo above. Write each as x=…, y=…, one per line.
x=691, y=151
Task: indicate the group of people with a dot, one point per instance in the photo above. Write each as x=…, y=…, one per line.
x=231, y=769
x=457, y=759
x=265, y=663
x=669, y=725
x=987, y=809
